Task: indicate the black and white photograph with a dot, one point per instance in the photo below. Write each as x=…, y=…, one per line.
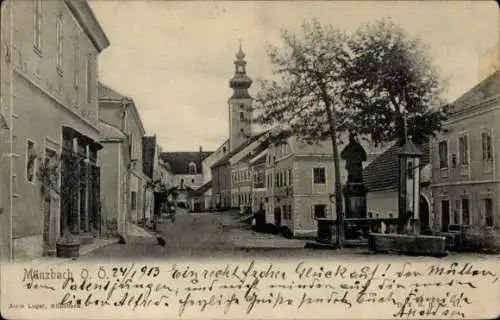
x=191, y=132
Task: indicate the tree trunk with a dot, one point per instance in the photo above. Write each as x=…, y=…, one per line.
x=338, y=184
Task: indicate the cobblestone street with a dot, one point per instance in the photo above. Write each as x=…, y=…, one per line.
x=222, y=235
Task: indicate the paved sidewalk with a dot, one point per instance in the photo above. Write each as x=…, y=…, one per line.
x=84, y=250
x=135, y=234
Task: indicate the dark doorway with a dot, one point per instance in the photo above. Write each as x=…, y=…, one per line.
x=424, y=213
x=277, y=217
x=445, y=215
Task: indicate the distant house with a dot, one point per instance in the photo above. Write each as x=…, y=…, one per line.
x=121, y=112
x=300, y=182
x=258, y=177
x=187, y=172
x=150, y=165
x=207, y=163
x=231, y=179
x=381, y=178
x=113, y=160
x=166, y=175
x=200, y=199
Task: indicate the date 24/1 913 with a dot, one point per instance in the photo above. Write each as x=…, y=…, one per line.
x=125, y=272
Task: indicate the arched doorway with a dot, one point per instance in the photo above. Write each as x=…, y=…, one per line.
x=424, y=213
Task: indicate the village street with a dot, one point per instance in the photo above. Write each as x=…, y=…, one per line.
x=215, y=235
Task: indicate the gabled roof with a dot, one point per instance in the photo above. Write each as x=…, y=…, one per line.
x=383, y=172
x=201, y=190
x=227, y=157
x=249, y=156
x=148, y=155
x=484, y=90
x=106, y=93
x=179, y=161
x=107, y=131
x=183, y=188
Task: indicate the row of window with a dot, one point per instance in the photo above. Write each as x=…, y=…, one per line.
x=242, y=198
x=461, y=212
x=240, y=176
x=37, y=43
x=463, y=150
x=284, y=178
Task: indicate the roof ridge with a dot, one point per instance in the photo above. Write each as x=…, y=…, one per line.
x=467, y=93
x=107, y=87
x=109, y=124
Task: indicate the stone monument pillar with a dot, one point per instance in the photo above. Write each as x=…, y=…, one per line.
x=354, y=191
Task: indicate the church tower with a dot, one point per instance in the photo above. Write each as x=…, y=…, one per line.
x=240, y=104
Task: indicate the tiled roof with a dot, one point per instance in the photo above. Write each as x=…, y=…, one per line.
x=227, y=157
x=484, y=90
x=410, y=149
x=261, y=147
x=106, y=93
x=179, y=161
x=383, y=172
x=107, y=131
x=201, y=190
x=148, y=155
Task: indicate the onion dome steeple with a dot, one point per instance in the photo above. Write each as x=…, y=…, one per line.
x=240, y=82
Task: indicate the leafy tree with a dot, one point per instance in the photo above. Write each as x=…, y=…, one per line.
x=391, y=85
x=379, y=83
x=305, y=97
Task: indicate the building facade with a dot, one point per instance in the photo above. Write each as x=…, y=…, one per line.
x=209, y=161
x=381, y=178
x=241, y=185
x=230, y=189
x=300, y=183
x=49, y=102
x=113, y=160
x=221, y=184
x=120, y=111
x=150, y=162
x=465, y=182
x=258, y=173
x=187, y=172
x=166, y=175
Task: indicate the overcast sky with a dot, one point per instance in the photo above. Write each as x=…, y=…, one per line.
x=175, y=58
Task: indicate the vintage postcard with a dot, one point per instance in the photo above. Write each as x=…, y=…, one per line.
x=249, y=160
